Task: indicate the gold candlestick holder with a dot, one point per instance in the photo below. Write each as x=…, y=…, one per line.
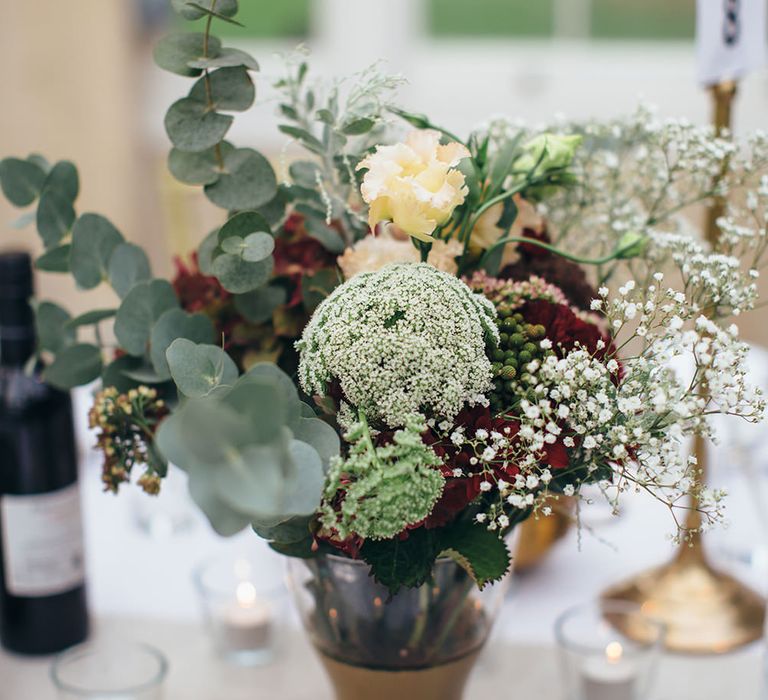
x=706, y=611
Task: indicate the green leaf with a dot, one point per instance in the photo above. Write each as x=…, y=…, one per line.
x=502, y=162
x=358, y=126
x=174, y=324
x=64, y=179
x=287, y=531
x=253, y=248
x=114, y=374
x=482, y=553
x=55, y=260
x=257, y=306
x=201, y=168
x=141, y=308
x=231, y=89
x=327, y=235
x=213, y=13
x=192, y=11
x=325, y=116
x=205, y=252
x=199, y=370
x=174, y=52
x=40, y=160
x=145, y=374
x=91, y=318
x=405, y=563
x=302, y=135
x=24, y=220
x=305, y=173
x=226, y=58
x=52, y=325
x=248, y=181
x=127, y=266
x=21, y=181
x=317, y=287
x=239, y=276
x=74, y=366
x=242, y=224
x=55, y=216
x=192, y=127
x=94, y=239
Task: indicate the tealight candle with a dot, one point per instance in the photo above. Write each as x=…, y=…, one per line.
x=609, y=676
x=241, y=616
x=247, y=623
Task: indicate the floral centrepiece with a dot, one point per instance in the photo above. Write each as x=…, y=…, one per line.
x=405, y=342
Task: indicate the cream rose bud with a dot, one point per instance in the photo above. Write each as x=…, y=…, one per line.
x=548, y=152
x=414, y=184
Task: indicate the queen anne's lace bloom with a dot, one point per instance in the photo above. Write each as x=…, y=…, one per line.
x=407, y=339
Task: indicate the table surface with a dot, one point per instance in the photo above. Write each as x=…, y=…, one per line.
x=140, y=587
x=505, y=670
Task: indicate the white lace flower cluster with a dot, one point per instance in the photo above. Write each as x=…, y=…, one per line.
x=407, y=339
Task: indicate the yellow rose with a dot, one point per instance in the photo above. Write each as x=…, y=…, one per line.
x=414, y=184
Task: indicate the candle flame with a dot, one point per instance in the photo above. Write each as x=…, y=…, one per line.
x=246, y=594
x=613, y=652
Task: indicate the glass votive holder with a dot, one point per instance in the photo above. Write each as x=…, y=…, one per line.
x=240, y=609
x=110, y=671
x=609, y=651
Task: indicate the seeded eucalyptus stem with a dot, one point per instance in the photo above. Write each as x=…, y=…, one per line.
x=207, y=81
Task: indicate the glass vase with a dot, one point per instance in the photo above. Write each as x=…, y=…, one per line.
x=420, y=644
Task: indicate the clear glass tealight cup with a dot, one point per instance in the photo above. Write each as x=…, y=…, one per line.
x=241, y=608
x=609, y=651
x=113, y=670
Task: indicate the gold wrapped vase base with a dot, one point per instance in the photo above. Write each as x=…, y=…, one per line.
x=706, y=611
x=443, y=682
x=417, y=644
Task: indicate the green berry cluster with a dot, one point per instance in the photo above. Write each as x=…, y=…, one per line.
x=518, y=346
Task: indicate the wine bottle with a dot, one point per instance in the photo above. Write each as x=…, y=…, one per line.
x=42, y=584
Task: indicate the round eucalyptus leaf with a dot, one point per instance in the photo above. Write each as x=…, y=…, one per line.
x=74, y=366
x=55, y=216
x=128, y=265
x=191, y=127
x=225, y=520
x=54, y=260
x=283, y=530
x=64, y=179
x=90, y=318
x=248, y=181
x=257, y=247
x=199, y=370
x=233, y=244
x=205, y=252
x=242, y=224
x=174, y=52
x=94, y=239
x=174, y=324
x=262, y=403
x=253, y=481
x=21, y=181
x=201, y=168
x=142, y=306
x=274, y=210
x=196, y=10
x=226, y=58
x=232, y=89
x=257, y=306
x=239, y=276
x=40, y=160
x=303, y=487
x=52, y=326
x=321, y=436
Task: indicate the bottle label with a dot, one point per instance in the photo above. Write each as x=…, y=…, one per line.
x=42, y=542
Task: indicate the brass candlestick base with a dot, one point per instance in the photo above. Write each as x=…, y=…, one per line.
x=706, y=611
